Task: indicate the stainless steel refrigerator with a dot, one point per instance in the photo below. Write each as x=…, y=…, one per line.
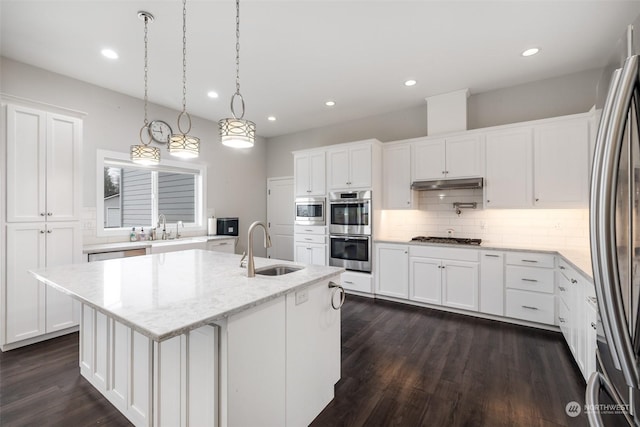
x=613, y=392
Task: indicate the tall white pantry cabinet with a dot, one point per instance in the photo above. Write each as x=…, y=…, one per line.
x=41, y=218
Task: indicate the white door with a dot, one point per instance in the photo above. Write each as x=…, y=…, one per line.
x=280, y=217
x=25, y=297
x=425, y=280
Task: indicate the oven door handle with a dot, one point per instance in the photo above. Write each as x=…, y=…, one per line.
x=349, y=202
x=344, y=237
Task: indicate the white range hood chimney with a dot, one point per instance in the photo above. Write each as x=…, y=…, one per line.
x=447, y=112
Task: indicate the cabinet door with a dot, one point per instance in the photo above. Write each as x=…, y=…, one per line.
x=561, y=174
x=463, y=157
x=508, y=169
x=425, y=280
x=318, y=254
x=317, y=175
x=392, y=270
x=26, y=155
x=63, y=168
x=396, y=177
x=360, y=167
x=338, y=169
x=429, y=160
x=25, y=296
x=460, y=284
x=491, y=293
x=302, y=253
x=312, y=353
x=301, y=172
x=63, y=246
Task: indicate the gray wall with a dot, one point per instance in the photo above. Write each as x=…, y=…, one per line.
x=570, y=94
x=236, y=178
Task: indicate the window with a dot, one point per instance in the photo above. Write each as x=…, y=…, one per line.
x=130, y=195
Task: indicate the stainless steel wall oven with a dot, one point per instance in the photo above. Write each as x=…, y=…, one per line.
x=350, y=230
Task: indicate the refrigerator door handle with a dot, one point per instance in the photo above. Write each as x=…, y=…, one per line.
x=598, y=237
x=591, y=401
x=610, y=279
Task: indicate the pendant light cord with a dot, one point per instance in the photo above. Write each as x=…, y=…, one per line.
x=238, y=47
x=184, y=71
x=146, y=68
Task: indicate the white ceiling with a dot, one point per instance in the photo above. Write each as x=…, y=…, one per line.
x=297, y=54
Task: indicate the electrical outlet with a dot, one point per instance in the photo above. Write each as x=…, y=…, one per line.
x=302, y=296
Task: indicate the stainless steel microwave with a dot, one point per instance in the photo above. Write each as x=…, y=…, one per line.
x=310, y=211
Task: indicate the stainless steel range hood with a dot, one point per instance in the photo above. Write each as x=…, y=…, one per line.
x=447, y=184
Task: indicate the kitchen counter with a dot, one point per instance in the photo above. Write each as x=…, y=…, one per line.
x=579, y=259
x=165, y=295
x=124, y=246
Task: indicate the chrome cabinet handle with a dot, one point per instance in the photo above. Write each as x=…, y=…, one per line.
x=337, y=288
x=348, y=281
x=49, y=213
x=308, y=238
x=49, y=231
x=493, y=256
x=561, y=288
x=223, y=243
x=41, y=231
x=41, y=213
x=529, y=260
x=593, y=325
x=602, y=213
x=528, y=307
x=561, y=267
x=561, y=319
x=528, y=280
x=574, y=281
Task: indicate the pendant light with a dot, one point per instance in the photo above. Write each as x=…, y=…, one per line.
x=181, y=144
x=144, y=154
x=237, y=132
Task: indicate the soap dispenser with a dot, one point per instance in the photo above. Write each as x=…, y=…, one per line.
x=132, y=235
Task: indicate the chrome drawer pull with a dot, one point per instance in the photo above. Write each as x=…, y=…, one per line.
x=493, y=256
x=529, y=280
x=561, y=319
x=529, y=307
x=529, y=260
x=574, y=281
x=347, y=281
x=562, y=289
x=561, y=268
x=593, y=325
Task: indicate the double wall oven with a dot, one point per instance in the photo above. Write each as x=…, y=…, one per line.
x=350, y=230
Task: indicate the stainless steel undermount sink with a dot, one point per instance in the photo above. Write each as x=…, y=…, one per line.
x=277, y=270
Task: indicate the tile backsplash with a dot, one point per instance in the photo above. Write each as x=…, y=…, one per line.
x=559, y=228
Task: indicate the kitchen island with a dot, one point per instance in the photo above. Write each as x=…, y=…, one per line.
x=185, y=338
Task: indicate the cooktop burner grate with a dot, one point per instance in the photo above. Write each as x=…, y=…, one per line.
x=448, y=240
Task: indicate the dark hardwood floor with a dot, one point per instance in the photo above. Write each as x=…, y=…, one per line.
x=401, y=366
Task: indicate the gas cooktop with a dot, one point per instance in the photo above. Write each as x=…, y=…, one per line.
x=448, y=240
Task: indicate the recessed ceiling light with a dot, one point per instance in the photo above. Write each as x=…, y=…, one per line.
x=271, y=118
x=330, y=103
x=530, y=52
x=410, y=83
x=212, y=94
x=109, y=53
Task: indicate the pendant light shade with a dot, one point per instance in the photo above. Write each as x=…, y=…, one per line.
x=143, y=153
x=181, y=144
x=237, y=132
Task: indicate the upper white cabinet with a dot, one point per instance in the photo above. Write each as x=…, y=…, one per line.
x=508, y=177
x=396, y=177
x=350, y=166
x=309, y=173
x=561, y=163
x=454, y=157
x=43, y=165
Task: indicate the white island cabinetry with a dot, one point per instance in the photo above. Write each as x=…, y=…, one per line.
x=198, y=346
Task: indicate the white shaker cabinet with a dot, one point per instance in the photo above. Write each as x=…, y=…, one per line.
x=43, y=166
x=31, y=308
x=309, y=173
x=396, y=177
x=425, y=280
x=350, y=167
x=453, y=157
x=392, y=270
x=492, y=283
x=310, y=245
x=561, y=163
x=508, y=182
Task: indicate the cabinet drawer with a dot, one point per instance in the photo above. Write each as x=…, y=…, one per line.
x=310, y=238
x=530, y=279
x=530, y=259
x=443, y=252
x=360, y=282
x=309, y=229
x=532, y=306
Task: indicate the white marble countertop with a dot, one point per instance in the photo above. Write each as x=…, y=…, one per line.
x=168, y=294
x=124, y=246
x=580, y=259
